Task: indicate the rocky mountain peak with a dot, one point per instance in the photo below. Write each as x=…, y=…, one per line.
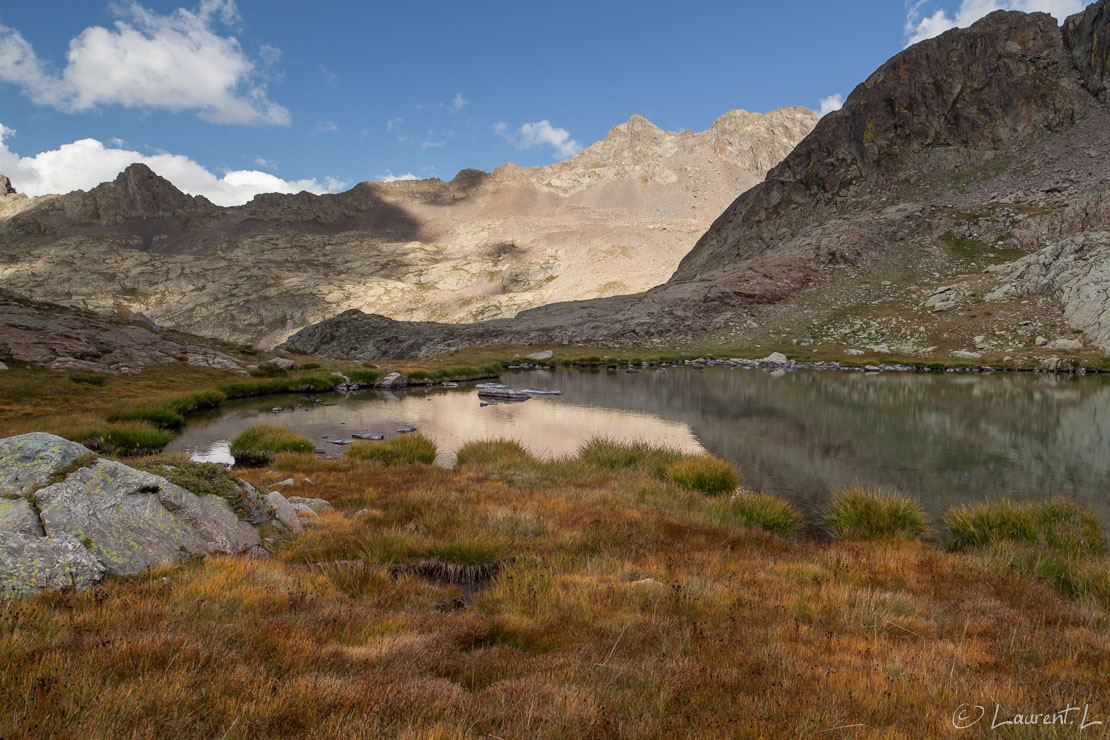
x=948, y=104
x=6, y=187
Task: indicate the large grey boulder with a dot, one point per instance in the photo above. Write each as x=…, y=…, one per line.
x=131, y=520
x=31, y=461
x=68, y=517
x=30, y=564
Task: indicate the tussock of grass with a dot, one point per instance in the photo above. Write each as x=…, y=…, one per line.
x=1057, y=540
x=704, y=473
x=1057, y=525
x=857, y=513
x=769, y=513
x=494, y=452
x=123, y=439
x=259, y=444
x=402, y=450
x=612, y=454
x=262, y=387
x=160, y=416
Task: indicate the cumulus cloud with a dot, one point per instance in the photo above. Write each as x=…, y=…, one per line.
x=86, y=163
x=457, y=103
x=539, y=133
x=326, y=127
x=177, y=62
x=390, y=177
x=829, y=104
x=921, y=25
x=270, y=164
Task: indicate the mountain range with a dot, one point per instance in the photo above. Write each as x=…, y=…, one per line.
x=615, y=218
x=957, y=204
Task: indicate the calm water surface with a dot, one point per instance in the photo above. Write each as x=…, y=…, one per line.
x=943, y=438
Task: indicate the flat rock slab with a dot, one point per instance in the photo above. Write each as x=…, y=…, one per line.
x=503, y=394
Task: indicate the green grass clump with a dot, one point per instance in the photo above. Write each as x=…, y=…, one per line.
x=365, y=377
x=1058, y=526
x=171, y=414
x=403, y=450
x=122, y=439
x=704, y=473
x=203, y=479
x=259, y=444
x=262, y=387
x=494, y=452
x=769, y=513
x=1057, y=540
x=199, y=401
x=612, y=454
x=160, y=416
x=857, y=513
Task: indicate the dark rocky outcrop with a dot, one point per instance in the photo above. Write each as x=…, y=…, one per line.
x=63, y=339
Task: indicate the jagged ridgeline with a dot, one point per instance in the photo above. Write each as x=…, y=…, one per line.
x=969, y=151
x=616, y=218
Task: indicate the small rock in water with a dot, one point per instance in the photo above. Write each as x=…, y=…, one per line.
x=369, y=436
x=341, y=441
x=276, y=409
x=482, y=405
x=491, y=385
x=542, y=392
x=329, y=404
x=406, y=430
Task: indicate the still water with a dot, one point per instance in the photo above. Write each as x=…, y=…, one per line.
x=943, y=438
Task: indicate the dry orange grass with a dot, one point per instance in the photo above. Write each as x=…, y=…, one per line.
x=621, y=613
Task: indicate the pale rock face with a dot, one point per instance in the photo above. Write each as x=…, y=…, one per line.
x=1076, y=272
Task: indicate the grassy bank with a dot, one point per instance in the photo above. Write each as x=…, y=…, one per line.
x=588, y=596
x=138, y=415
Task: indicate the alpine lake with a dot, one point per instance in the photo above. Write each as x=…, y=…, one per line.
x=942, y=438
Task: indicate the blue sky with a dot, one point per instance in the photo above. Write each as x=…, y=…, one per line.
x=231, y=98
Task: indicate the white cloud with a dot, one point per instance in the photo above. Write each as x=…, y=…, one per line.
x=429, y=143
x=394, y=123
x=829, y=104
x=176, y=62
x=270, y=164
x=390, y=177
x=920, y=26
x=326, y=127
x=86, y=163
x=457, y=103
x=540, y=133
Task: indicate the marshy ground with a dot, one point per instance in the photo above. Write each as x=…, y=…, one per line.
x=624, y=591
